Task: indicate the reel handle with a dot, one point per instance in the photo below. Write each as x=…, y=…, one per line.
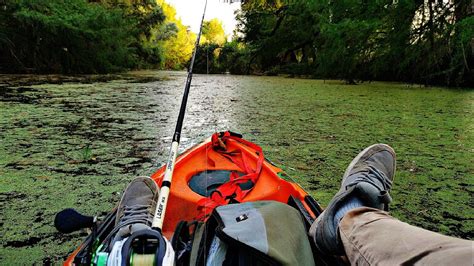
x=70, y=220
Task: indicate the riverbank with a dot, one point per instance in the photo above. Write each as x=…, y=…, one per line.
x=68, y=142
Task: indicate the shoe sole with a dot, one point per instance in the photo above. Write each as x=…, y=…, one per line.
x=365, y=152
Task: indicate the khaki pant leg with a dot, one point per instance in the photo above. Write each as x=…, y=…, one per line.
x=372, y=237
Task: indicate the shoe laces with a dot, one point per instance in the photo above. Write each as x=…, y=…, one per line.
x=136, y=214
x=374, y=177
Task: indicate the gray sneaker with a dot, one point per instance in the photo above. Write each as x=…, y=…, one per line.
x=369, y=177
x=136, y=208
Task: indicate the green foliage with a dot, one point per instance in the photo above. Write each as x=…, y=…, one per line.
x=59, y=36
x=79, y=36
x=462, y=60
x=178, y=42
x=207, y=59
x=426, y=42
x=216, y=55
x=232, y=57
x=86, y=153
x=213, y=32
x=235, y=58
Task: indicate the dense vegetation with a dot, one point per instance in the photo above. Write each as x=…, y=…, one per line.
x=423, y=41
x=90, y=36
x=418, y=41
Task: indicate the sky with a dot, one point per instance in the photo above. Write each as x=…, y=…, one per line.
x=190, y=12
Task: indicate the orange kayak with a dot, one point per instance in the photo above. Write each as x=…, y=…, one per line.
x=228, y=165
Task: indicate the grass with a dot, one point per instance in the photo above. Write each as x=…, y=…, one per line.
x=77, y=145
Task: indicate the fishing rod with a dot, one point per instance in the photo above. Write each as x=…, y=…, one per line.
x=166, y=183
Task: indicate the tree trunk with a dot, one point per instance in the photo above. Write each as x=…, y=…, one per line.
x=462, y=9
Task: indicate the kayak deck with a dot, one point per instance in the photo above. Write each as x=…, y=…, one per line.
x=198, y=162
x=183, y=200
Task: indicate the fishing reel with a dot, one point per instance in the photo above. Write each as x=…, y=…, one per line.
x=144, y=247
x=147, y=247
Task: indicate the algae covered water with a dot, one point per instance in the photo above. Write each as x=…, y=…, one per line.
x=77, y=141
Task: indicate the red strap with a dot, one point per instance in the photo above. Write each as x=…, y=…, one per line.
x=231, y=190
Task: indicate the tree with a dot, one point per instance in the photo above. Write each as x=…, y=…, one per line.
x=180, y=42
x=423, y=41
x=78, y=36
x=59, y=36
x=208, y=55
x=213, y=32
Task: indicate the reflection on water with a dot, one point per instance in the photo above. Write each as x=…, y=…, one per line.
x=77, y=141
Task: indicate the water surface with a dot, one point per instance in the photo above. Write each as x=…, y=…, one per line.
x=77, y=141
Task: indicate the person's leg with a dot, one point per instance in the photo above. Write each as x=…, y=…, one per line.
x=371, y=236
x=354, y=224
x=366, y=182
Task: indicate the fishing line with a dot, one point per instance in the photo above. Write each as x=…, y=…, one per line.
x=162, y=203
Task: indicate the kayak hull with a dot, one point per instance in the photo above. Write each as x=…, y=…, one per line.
x=272, y=184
